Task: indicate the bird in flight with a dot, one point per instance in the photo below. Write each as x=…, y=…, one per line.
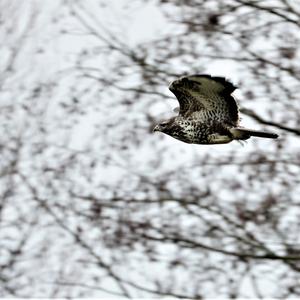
x=208, y=113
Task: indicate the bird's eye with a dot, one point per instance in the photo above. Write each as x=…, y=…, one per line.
x=163, y=124
x=189, y=83
x=193, y=84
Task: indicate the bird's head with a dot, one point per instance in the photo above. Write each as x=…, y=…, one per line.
x=172, y=128
x=185, y=83
x=165, y=126
x=168, y=126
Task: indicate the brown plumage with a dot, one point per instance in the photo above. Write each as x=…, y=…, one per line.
x=208, y=113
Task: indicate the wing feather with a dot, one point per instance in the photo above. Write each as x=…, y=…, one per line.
x=205, y=93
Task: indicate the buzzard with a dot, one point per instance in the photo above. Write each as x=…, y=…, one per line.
x=208, y=113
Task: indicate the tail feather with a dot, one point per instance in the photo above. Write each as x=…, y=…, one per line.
x=244, y=134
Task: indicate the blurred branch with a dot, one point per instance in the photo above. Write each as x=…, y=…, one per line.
x=254, y=4
x=290, y=8
x=18, y=46
x=183, y=242
x=44, y=204
x=291, y=71
x=261, y=120
x=86, y=286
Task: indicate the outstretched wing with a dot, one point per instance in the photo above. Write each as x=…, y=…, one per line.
x=211, y=95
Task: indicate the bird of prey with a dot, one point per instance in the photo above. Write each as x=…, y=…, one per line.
x=208, y=113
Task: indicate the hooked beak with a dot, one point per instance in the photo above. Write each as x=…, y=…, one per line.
x=156, y=128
